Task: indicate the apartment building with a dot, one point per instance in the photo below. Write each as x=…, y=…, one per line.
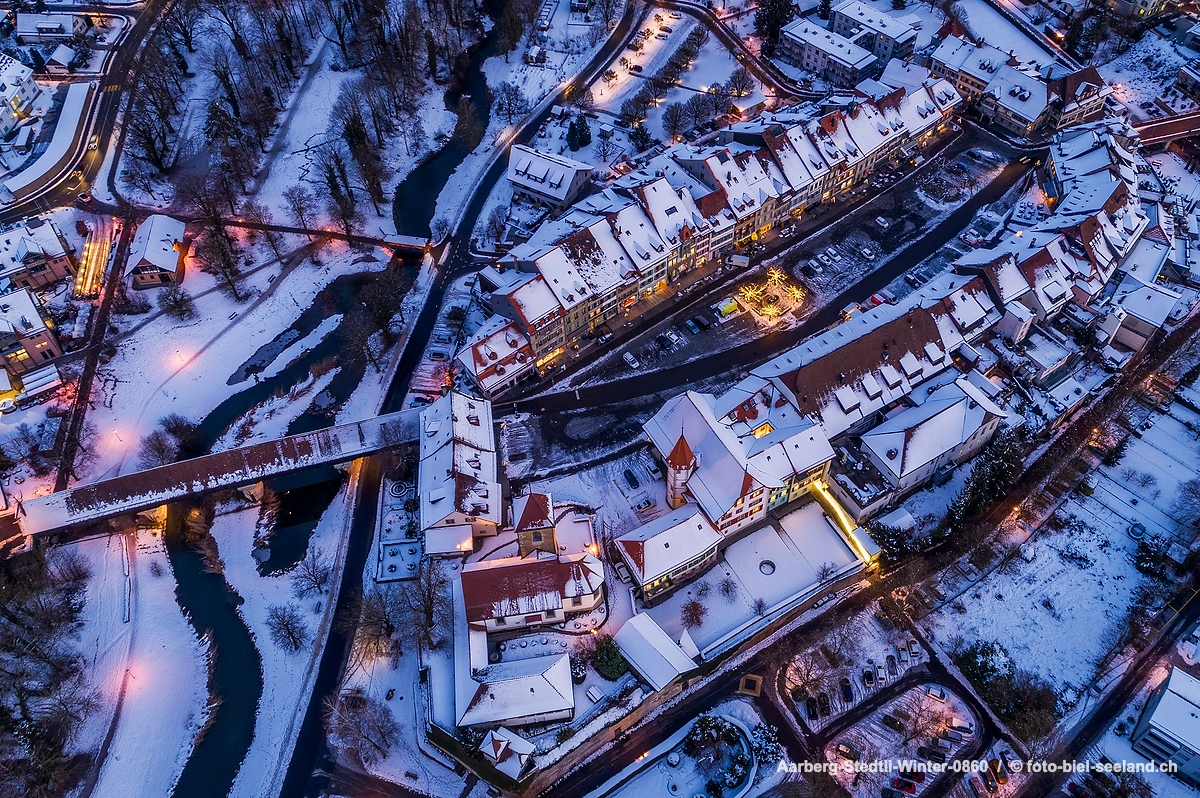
x=884, y=35
x=823, y=52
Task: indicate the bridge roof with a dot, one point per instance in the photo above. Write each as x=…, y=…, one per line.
x=242, y=466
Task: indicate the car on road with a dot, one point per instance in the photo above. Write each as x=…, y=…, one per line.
x=692, y=326
x=631, y=361
x=85, y=197
x=989, y=781
x=847, y=751
x=847, y=690
x=823, y=701
x=833, y=253
x=824, y=259
x=94, y=142
x=892, y=723
x=74, y=178
x=631, y=479
x=905, y=785
x=810, y=706
x=868, y=677
x=932, y=754
x=674, y=337
x=936, y=692
x=891, y=665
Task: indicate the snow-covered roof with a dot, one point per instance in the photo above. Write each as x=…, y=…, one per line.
x=457, y=472
x=667, y=542
x=544, y=173
x=838, y=48
x=35, y=240
x=509, y=752
x=1178, y=711
x=459, y=417
x=31, y=24
x=531, y=298
x=157, y=246
x=907, y=75
x=13, y=72
x=495, y=352
x=1022, y=94
x=1150, y=302
x=514, y=586
x=20, y=313
x=62, y=56
x=910, y=440
x=869, y=18
x=651, y=652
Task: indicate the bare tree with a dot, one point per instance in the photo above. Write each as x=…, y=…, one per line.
x=607, y=9
x=741, y=82
x=1186, y=505
x=382, y=614
x=259, y=214
x=692, y=614
x=808, y=672
x=509, y=102
x=496, y=222
x=926, y=717
x=428, y=600
x=219, y=257
x=674, y=119
x=728, y=588
x=604, y=148
x=286, y=626
x=312, y=574
x=358, y=331
x=301, y=206
x=358, y=722
x=157, y=449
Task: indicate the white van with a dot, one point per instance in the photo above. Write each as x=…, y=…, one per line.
x=740, y=261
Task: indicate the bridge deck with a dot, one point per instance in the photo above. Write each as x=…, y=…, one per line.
x=143, y=490
x=1159, y=131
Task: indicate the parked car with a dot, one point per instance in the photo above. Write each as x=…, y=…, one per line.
x=962, y=727
x=811, y=268
x=989, y=781
x=631, y=361
x=824, y=259
x=636, y=68
x=891, y=665
x=622, y=572
x=631, y=479
x=867, y=253
x=692, y=327
x=674, y=337
x=913, y=775
x=935, y=692
x=702, y=320
x=847, y=751
x=999, y=770
x=913, y=651
x=654, y=470
x=810, y=706
x=932, y=754
x=888, y=792
x=661, y=36
x=847, y=690
x=892, y=723
x=884, y=223
x=665, y=29
x=833, y=253
x=951, y=735
x=976, y=786
x=603, y=339
x=902, y=653
x=945, y=745
x=823, y=701
x=869, y=677
x=904, y=785
x=644, y=504
x=880, y=676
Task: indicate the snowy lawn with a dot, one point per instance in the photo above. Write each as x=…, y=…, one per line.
x=1141, y=75
x=153, y=657
x=759, y=574
x=183, y=366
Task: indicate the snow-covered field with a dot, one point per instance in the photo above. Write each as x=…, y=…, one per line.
x=163, y=365
x=1073, y=585
x=143, y=656
x=992, y=26
x=1142, y=74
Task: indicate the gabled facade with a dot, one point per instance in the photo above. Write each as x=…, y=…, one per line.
x=539, y=588
x=156, y=256
x=35, y=254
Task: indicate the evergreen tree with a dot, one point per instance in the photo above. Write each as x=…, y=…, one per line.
x=770, y=18
x=824, y=9
x=640, y=137
x=582, y=131
x=573, y=136
x=899, y=5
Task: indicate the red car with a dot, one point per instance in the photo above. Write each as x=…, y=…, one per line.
x=904, y=785
x=917, y=775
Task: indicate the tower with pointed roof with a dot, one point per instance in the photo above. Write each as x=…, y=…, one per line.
x=681, y=464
